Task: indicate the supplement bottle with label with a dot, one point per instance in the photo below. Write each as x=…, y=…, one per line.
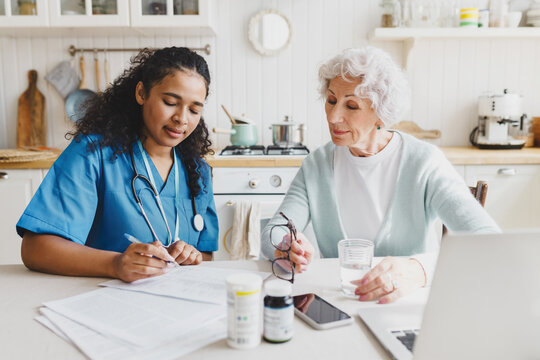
x=243, y=310
x=278, y=311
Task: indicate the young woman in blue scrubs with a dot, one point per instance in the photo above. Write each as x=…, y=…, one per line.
x=147, y=123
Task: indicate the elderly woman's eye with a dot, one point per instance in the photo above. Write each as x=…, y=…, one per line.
x=352, y=107
x=331, y=101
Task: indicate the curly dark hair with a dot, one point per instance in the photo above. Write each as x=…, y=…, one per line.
x=117, y=117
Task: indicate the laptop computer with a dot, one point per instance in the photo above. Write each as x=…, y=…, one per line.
x=484, y=303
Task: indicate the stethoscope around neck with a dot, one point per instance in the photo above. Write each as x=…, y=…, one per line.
x=197, y=220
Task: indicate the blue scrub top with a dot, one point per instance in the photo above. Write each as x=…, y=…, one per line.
x=86, y=197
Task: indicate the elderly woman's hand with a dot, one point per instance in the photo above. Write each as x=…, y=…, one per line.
x=301, y=251
x=391, y=279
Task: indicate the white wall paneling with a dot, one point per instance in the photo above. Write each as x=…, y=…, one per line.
x=446, y=75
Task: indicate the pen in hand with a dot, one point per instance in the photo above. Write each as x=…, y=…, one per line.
x=133, y=239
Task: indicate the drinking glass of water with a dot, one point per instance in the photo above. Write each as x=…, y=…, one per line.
x=355, y=256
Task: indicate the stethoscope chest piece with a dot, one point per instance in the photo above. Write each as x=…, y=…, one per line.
x=198, y=222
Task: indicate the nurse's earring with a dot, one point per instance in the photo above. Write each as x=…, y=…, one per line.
x=378, y=127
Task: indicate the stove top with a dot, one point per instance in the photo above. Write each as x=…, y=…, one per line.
x=260, y=150
x=233, y=150
x=291, y=150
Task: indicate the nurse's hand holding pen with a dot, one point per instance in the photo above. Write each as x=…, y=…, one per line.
x=141, y=261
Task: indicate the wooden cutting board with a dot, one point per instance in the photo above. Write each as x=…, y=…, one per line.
x=31, y=124
x=410, y=127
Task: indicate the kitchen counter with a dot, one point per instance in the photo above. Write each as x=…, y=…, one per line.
x=474, y=156
x=456, y=155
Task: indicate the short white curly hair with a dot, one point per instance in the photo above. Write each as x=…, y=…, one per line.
x=383, y=82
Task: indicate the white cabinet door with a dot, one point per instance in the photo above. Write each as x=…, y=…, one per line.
x=23, y=13
x=16, y=190
x=88, y=13
x=513, y=197
x=171, y=13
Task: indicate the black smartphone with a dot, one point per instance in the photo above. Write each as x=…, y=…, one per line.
x=319, y=313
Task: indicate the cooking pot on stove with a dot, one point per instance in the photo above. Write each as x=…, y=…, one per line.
x=287, y=133
x=240, y=134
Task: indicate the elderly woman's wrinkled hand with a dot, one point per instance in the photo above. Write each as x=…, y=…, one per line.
x=301, y=252
x=391, y=279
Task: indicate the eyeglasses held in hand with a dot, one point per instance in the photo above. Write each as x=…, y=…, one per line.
x=283, y=267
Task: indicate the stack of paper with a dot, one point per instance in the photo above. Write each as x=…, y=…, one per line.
x=163, y=317
x=206, y=284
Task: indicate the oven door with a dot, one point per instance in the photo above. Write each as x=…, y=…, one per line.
x=225, y=205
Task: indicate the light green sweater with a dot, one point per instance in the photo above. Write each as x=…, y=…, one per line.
x=427, y=187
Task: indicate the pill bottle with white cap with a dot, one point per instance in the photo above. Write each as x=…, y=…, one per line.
x=278, y=311
x=243, y=310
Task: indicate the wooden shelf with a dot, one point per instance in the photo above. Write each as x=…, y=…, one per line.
x=400, y=34
x=409, y=36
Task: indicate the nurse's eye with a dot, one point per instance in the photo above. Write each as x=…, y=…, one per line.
x=168, y=103
x=194, y=112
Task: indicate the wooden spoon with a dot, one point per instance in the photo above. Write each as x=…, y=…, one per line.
x=229, y=115
x=82, y=84
x=98, y=79
x=106, y=70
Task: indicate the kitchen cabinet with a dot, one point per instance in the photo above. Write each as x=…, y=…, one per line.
x=16, y=190
x=123, y=17
x=263, y=185
x=85, y=13
x=171, y=13
x=23, y=13
x=513, y=197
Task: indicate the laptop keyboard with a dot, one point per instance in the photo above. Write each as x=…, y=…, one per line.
x=406, y=337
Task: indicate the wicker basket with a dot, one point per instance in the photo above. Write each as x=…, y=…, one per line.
x=17, y=155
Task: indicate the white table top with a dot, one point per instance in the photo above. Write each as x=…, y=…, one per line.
x=23, y=291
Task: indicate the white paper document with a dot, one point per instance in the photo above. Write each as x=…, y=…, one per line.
x=195, y=283
x=97, y=346
x=136, y=318
x=43, y=320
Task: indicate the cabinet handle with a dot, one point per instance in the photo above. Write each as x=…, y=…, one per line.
x=230, y=203
x=4, y=176
x=507, y=171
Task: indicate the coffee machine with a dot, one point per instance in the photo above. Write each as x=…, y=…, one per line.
x=496, y=114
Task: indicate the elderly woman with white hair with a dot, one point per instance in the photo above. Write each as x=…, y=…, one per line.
x=374, y=183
